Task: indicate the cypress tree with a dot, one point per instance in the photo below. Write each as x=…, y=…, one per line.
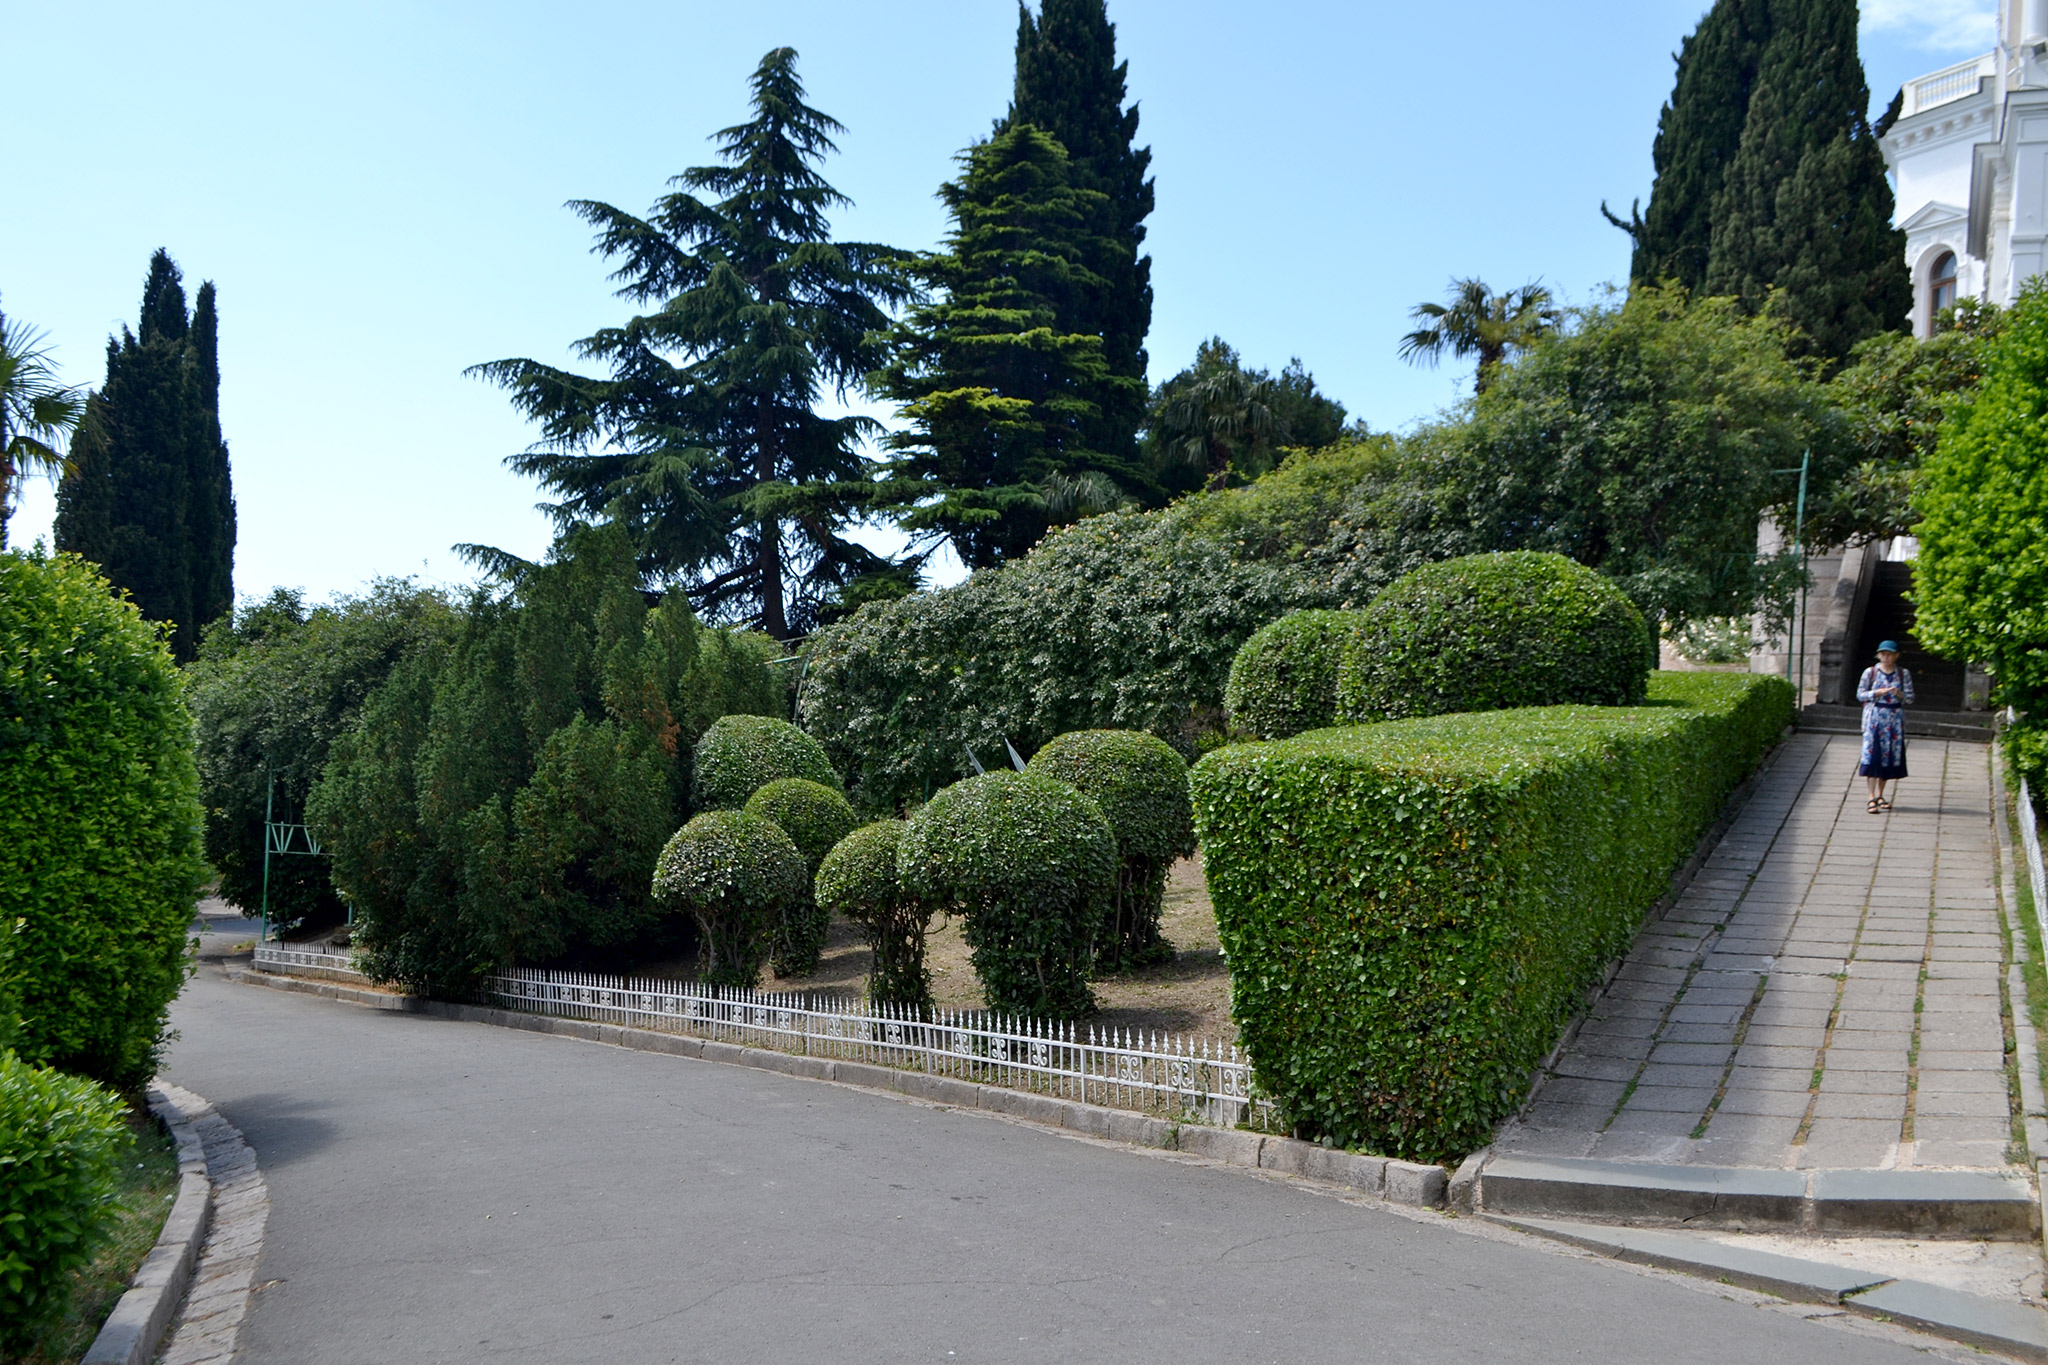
x=1003, y=403
x=1070, y=84
x=148, y=496
x=1805, y=208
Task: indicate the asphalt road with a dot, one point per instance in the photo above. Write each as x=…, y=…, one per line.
x=457, y=1192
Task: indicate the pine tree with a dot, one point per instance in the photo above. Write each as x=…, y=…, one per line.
x=1070, y=84
x=705, y=439
x=1698, y=133
x=1805, y=208
x=1003, y=404
x=148, y=496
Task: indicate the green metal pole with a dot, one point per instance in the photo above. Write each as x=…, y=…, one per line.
x=1799, y=548
x=269, y=801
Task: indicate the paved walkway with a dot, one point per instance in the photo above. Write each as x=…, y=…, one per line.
x=1827, y=993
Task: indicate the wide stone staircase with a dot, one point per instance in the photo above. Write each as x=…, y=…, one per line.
x=1938, y=683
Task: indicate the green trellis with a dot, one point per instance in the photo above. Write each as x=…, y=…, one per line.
x=282, y=838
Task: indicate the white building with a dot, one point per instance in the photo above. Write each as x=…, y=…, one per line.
x=1969, y=157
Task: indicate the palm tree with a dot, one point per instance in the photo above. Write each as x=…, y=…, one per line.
x=1479, y=322
x=1216, y=415
x=35, y=411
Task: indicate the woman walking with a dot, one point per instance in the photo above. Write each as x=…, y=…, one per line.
x=1885, y=689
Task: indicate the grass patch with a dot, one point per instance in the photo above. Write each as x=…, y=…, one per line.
x=149, y=1185
x=2032, y=971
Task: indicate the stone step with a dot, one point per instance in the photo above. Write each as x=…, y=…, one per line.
x=1968, y=726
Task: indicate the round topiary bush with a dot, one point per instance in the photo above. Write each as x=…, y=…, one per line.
x=99, y=819
x=1029, y=864
x=61, y=1138
x=739, y=755
x=1284, y=680
x=858, y=880
x=1141, y=786
x=815, y=817
x=1489, y=632
x=738, y=875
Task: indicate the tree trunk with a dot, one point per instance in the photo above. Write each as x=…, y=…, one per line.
x=6, y=486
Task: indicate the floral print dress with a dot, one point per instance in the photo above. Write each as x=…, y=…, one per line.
x=1884, y=722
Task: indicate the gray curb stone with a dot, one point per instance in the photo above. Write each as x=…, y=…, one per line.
x=137, y=1324
x=1398, y=1182
x=209, y=1324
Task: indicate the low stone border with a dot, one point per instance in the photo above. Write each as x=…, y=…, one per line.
x=210, y=1322
x=1397, y=1182
x=132, y=1331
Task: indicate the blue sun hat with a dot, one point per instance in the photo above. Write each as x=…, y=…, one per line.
x=1888, y=647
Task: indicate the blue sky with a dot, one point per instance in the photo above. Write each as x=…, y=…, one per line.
x=376, y=190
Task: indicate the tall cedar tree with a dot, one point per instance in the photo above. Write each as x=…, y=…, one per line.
x=1002, y=403
x=1697, y=136
x=1070, y=83
x=1805, y=208
x=704, y=440
x=150, y=496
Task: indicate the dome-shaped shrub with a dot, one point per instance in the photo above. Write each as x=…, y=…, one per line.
x=1489, y=632
x=1141, y=785
x=738, y=874
x=1029, y=863
x=738, y=755
x=858, y=880
x=815, y=817
x=1284, y=679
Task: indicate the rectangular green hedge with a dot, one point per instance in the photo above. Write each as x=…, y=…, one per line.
x=1414, y=910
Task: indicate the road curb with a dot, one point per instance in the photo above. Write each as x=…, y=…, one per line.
x=1407, y=1183
x=209, y=1320
x=137, y=1325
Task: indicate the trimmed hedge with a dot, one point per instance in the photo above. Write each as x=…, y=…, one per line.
x=1030, y=864
x=61, y=1139
x=1413, y=911
x=1141, y=785
x=858, y=880
x=1284, y=680
x=739, y=875
x=741, y=754
x=1488, y=632
x=815, y=817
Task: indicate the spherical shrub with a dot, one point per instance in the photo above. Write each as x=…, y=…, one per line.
x=738, y=755
x=61, y=1138
x=1284, y=680
x=99, y=819
x=1489, y=632
x=1141, y=786
x=815, y=817
x=738, y=874
x=1030, y=864
x=859, y=881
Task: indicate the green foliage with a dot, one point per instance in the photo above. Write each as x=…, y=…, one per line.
x=815, y=817
x=1141, y=786
x=1479, y=323
x=148, y=495
x=61, y=1138
x=1413, y=911
x=1217, y=423
x=99, y=819
x=740, y=876
x=1284, y=680
x=858, y=880
x=705, y=438
x=739, y=755
x=273, y=686
x=1981, y=582
x=35, y=413
x=1030, y=865
x=1488, y=632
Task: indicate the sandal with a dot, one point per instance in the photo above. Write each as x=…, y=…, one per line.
x=1875, y=805
x=1883, y=803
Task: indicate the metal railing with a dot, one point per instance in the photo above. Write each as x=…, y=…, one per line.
x=1948, y=84
x=1199, y=1080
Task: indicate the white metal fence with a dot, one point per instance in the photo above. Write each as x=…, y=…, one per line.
x=1201, y=1080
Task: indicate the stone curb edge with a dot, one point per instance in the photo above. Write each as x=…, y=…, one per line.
x=137, y=1325
x=1398, y=1182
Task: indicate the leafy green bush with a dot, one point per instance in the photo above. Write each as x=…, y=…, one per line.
x=1414, y=910
x=859, y=881
x=1141, y=786
x=1487, y=632
x=1029, y=864
x=99, y=819
x=61, y=1138
x=739, y=875
x=815, y=817
x=739, y=755
x=1284, y=680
